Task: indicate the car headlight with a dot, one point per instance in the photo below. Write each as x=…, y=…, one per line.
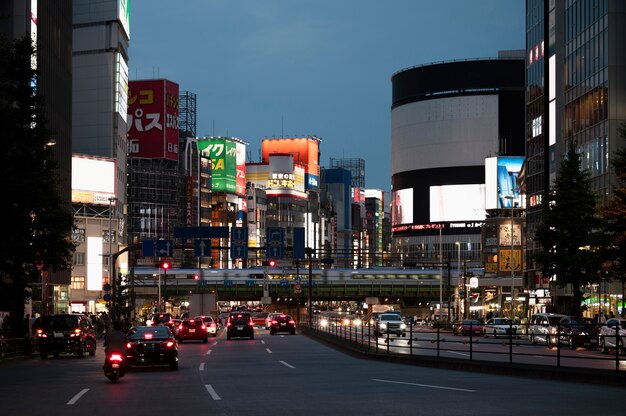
x=402, y=326
x=357, y=322
x=383, y=326
x=553, y=330
x=584, y=334
x=324, y=322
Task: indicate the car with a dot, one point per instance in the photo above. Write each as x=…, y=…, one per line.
x=505, y=327
x=543, y=327
x=192, y=329
x=151, y=346
x=579, y=332
x=164, y=319
x=211, y=325
x=613, y=335
x=65, y=333
x=268, y=319
x=239, y=324
x=259, y=318
x=468, y=327
x=177, y=323
x=282, y=323
x=389, y=323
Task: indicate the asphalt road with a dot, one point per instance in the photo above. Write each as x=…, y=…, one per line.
x=283, y=375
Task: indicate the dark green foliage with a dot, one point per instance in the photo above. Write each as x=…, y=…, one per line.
x=37, y=223
x=571, y=232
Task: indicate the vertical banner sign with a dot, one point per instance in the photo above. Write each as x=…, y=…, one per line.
x=241, y=169
x=153, y=119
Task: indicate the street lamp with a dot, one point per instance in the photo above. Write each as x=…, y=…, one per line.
x=512, y=198
x=111, y=270
x=458, y=282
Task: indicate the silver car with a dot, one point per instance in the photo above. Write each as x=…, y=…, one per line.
x=614, y=329
x=501, y=327
x=544, y=328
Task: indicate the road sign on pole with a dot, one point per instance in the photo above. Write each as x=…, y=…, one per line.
x=239, y=242
x=165, y=248
x=202, y=248
x=147, y=248
x=275, y=243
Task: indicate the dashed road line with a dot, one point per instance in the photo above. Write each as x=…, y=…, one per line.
x=459, y=353
x=208, y=352
x=212, y=392
x=201, y=367
x=268, y=350
x=286, y=364
x=431, y=386
x=77, y=397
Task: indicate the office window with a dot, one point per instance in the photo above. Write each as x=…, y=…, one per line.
x=78, y=282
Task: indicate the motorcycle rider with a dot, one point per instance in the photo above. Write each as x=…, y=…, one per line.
x=115, y=341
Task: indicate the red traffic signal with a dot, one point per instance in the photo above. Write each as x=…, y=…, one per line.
x=165, y=265
x=269, y=263
x=196, y=277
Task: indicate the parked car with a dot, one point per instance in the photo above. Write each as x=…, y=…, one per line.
x=579, y=332
x=151, y=346
x=501, y=327
x=543, y=327
x=613, y=335
x=283, y=323
x=192, y=329
x=65, y=333
x=467, y=327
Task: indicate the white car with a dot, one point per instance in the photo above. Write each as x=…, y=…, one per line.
x=211, y=325
x=496, y=327
x=608, y=332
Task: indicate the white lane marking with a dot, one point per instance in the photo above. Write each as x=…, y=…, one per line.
x=212, y=392
x=201, y=367
x=215, y=343
x=282, y=336
x=262, y=342
x=208, y=352
x=459, y=353
x=78, y=396
x=268, y=350
x=286, y=364
x=424, y=385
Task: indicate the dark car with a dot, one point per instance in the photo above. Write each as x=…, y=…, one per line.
x=282, y=323
x=192, y=329
x=240, y=324
x=151, y=345
x=579, y=332
x=65, y=333
x=164, y=319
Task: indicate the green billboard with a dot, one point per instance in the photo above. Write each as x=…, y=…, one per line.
x=223, y=155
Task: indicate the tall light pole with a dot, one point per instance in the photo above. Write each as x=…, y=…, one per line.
x=440, y=277
x=511, y=197
x=458, y=282
x=111, y=276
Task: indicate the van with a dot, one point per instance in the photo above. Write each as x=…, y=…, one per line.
x=543, y=328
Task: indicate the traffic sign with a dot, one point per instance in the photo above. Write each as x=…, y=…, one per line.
x=275, y=243
x=250, y=283
x=298, y=243
x=147, y=248
x=202, y=248
x=297, y=288
x=239, y=242
x=284, y=283
x=165, y=248
x=228, y=282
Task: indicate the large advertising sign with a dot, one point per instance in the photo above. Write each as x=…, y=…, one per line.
x=93, y=180
x=402, y=207
x=228, y=163
x=457, y=203
x=305, y=151
x=501, y=188
x=153, y=119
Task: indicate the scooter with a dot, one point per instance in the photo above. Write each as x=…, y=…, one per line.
x=114, y=366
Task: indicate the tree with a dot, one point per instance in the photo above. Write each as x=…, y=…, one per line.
x=614, y=214
x=38, y=222
x=571, y=231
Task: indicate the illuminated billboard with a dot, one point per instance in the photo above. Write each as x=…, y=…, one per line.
x=280, y=176
x=152, y=123
x=93, y=180
x=228, y=163
x=402, y=207
x=305, y=151
x=501, y=175
x=457, y=203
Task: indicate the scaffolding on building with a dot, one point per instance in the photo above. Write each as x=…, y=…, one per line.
x=356, y=166
x=187, y=114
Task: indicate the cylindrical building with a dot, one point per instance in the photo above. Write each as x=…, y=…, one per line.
x=446, y=118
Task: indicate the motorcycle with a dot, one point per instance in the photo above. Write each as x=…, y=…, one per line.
x=114, y=366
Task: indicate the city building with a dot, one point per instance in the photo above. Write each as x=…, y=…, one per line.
x=443, y=127
x=374, y=216
x=335, y=193
x=581, y=65
x=49, y=24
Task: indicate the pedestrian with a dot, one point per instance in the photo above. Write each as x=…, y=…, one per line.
x=602, y=318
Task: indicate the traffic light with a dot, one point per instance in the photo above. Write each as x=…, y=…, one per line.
x=269, y=263
x=196, y=277
x=165, y=265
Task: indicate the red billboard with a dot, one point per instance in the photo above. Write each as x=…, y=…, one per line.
x=153, y=119
x=305, y=151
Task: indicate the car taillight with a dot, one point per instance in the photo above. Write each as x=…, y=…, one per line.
x=169, y=344
x=292, y=322
x=129, y=345
x=116, y=358
x=180, y=326
x=76, y=332
x=203, y=327
x=229, y=324
x=212, y=324
x=251, y=323
x=274, y=322
x=147, y=335
x=41, y=334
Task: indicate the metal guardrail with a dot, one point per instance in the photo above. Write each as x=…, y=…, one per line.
x=426, y=341
x=16, y=347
